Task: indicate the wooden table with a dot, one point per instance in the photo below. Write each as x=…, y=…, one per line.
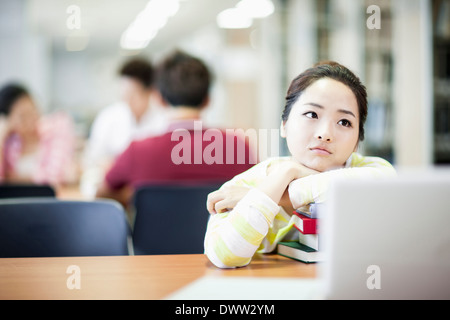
x=127, y=277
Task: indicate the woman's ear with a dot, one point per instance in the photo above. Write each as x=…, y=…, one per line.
x=283, y=129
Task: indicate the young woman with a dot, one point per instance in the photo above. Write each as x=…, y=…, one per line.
x=323, y=122
x=33, y=148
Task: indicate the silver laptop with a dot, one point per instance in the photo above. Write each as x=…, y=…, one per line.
x=388, y=239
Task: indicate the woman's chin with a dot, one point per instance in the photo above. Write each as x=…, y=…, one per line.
x=321, y=167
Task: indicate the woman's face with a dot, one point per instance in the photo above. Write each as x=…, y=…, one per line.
x=24, y=116
x=323, y=126
x=135, y=95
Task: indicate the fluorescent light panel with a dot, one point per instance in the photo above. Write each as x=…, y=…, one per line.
x=242, y=15
x=147, y=23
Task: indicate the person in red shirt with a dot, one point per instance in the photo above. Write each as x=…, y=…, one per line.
x=188, y=153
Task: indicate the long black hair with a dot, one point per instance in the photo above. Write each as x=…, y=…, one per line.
x=9, y=94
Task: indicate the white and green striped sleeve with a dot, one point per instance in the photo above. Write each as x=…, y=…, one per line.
x=314, y=188
x=232, y=238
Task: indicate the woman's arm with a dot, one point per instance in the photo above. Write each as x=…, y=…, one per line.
x=226, y=198
x=314, y=188
x=232, y=238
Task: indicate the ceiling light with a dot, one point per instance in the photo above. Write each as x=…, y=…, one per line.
x=241, y=16
x=147, y=23
x=256, y=8
x=233, y=19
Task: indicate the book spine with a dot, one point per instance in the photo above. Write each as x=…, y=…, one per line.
x=305, y=225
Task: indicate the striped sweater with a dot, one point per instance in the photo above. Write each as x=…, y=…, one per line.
x=257, y=223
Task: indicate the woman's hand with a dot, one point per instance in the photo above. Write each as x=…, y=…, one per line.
x=296, y=169
x=279, y=175
x=225, y=198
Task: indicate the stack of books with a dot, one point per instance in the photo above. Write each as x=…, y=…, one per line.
x=306, y=249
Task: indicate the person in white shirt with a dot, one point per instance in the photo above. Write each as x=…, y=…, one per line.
x=133, y=117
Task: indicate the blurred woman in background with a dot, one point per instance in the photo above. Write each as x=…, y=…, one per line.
x=34, y=149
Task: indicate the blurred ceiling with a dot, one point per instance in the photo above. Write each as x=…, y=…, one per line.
x=105, y=20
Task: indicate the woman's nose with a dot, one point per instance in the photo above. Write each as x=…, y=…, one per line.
x=324, y=133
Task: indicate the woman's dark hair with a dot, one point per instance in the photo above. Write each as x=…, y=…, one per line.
x=183, y=80
x=335, y=71
x=9, y=94
x=140, y=70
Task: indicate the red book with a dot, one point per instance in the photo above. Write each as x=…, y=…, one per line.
x=305, y=224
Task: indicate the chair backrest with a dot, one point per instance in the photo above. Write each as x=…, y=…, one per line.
x=49, y=227
x=25, y=191
x=170, y=219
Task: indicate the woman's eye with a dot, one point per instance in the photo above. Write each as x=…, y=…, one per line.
x=311, y=115
x=345, y=123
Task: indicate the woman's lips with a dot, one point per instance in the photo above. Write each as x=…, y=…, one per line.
x=320, y=151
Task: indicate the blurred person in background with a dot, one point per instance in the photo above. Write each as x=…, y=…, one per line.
x=34, y=148
x=183, y=83
x=133, y=117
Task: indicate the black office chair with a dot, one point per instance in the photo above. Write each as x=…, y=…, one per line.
x=170, y=219
x=46, y=227
x=25, y=191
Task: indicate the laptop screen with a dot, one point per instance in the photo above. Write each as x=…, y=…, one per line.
x=388, y=239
